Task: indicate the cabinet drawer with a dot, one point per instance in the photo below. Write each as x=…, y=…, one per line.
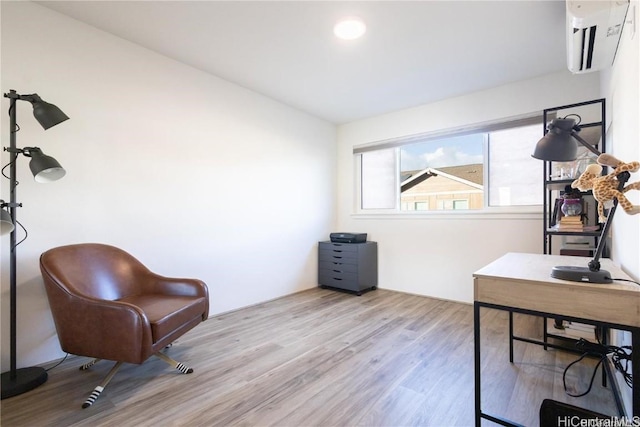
x=337, y=275
x=337, y=282
x=338, y=267
x=343, y=257
x=339, y=247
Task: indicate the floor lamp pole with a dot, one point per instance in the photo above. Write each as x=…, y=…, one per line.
x=16, y=381
x=13, y=278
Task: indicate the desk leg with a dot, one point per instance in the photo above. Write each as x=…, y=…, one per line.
x=476, y=355
x=511, y=336
x=635, y=367
x=603, y=335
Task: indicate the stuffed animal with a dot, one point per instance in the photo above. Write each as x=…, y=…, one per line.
x=605, y=188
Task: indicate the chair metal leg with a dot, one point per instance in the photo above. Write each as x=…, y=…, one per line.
x=89, y=364
x=96, y=391
x=179, y=366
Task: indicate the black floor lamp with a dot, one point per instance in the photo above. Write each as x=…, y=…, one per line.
x=44, y=169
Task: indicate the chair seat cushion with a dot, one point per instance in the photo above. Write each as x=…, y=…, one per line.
x=166, y=313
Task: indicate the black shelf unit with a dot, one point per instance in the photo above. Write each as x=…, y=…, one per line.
x=552, y=187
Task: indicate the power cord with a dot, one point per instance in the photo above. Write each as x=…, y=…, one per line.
x=626, y=280
x=2, y=171
x=620, y=357
x=59, y=363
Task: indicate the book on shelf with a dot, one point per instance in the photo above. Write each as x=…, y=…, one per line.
x=578, y=244
x=560, y=227
x=571, y=220
x=577, y=227
x=568, y=227
x=578, y=249
x=557, y=211
x=570, y=223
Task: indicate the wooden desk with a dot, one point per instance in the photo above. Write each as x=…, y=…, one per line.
x=522, y=283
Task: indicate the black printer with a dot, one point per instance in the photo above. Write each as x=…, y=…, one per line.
x=348, y=237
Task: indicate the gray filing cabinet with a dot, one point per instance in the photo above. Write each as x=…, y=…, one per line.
x=348, y=266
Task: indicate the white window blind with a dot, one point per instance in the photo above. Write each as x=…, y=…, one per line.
x=379, y=182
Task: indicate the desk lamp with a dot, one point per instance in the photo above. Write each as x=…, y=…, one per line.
x=44, y=169
x=560, y=144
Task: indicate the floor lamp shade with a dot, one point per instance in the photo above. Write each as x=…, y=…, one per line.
x=6, y=223
x=46, y=114
x=44, y=168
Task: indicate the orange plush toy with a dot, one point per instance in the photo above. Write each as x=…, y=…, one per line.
x=606, y=188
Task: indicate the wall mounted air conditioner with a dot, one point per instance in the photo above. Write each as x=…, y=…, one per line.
x=593, y=33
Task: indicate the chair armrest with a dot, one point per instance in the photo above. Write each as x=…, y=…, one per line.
x=126, y=338
x=158, y=284
x=176, y=286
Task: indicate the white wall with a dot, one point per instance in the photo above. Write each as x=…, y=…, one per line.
x=436, y=255
x=193, y=175
x=620, y=85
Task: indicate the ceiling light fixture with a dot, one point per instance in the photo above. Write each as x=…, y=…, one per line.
x=349, y=28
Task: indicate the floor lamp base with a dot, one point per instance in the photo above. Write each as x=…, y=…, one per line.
x=25, y=379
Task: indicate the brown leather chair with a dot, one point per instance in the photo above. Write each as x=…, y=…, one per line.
x=107, y=305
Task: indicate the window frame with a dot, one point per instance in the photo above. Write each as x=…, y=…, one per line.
x=528, y=211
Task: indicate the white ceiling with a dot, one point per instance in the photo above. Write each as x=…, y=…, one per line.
x=414, y=52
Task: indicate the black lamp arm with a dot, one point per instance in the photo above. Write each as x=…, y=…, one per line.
x=26, y=151
x=14, y=150
x=578, y=138
x=594, y=264
x=4, y=204
x=14, y=95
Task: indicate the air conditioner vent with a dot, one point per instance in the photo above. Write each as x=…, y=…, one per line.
x=593, y=33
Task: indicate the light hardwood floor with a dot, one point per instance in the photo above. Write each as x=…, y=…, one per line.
x=319, y=358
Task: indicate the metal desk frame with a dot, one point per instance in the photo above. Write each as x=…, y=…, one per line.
x=607, y=373
x=494, y=276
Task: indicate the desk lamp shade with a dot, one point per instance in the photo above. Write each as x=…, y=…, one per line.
x=46, y=114
x=6, y=223
x=559, y=144
x=44, y=168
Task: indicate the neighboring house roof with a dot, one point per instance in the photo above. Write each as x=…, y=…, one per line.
x=471, y=175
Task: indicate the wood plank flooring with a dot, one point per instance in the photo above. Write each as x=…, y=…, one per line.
x=320, y=358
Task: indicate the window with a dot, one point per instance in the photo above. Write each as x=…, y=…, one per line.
x=468, y=169
x=514, y=176
x=439, y=172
